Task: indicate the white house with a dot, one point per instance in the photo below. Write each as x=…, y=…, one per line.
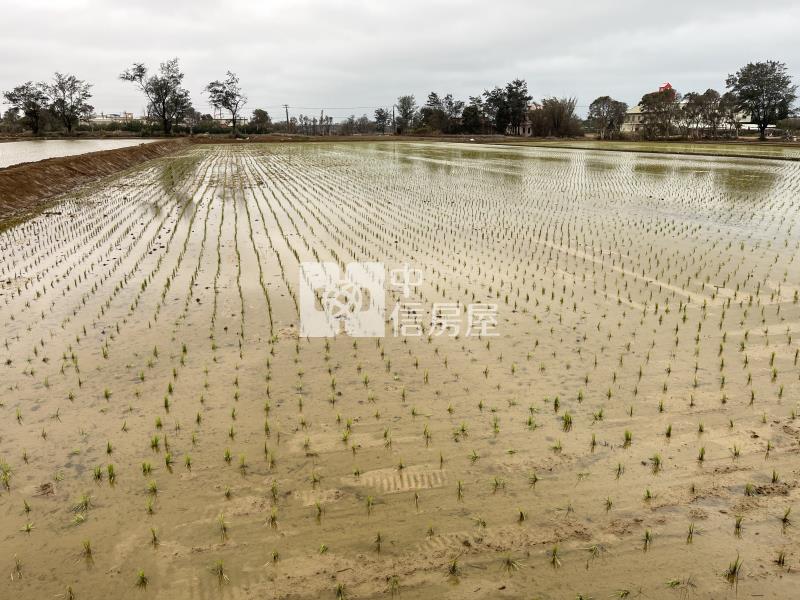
x=635, y=118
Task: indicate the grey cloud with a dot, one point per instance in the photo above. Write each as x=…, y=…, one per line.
x=349, y=53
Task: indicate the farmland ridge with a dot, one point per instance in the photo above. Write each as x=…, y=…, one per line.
x=25, y=188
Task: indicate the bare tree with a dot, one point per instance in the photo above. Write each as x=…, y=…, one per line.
x=227, y=95
x=167, y=101
x=555, y=117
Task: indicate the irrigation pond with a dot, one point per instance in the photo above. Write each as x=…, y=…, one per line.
x=13, y=153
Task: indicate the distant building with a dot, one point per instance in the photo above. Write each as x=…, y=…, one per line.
x=633, y=121
x=526, y=127
x=108, y=119
x=635, y=117
x=227, y=122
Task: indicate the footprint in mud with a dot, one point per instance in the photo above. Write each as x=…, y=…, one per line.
x=390, y=481
x=312, y=497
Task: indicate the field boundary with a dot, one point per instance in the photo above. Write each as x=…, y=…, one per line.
x=25, y=188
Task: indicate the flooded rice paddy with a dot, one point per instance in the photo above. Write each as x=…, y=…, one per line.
x=749, y=149
x=13, y=153
x=629, y=432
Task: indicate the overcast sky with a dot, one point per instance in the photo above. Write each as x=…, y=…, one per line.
x=350, y=56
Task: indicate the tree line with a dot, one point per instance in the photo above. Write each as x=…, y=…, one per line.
x=501, y=110
x=65, y=99
x=760, y=92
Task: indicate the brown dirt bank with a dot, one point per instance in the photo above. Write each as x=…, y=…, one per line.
x=25, y=188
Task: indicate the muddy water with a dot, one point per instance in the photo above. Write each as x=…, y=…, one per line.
x=779, y=150
x=647, y=318
x=12, y=153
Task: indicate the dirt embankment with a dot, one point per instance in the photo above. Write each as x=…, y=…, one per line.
x=25, y=188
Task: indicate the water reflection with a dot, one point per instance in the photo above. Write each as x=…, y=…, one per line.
x=12, y=153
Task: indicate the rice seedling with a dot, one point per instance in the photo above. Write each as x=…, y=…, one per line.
x=647, y=540
x=17, y=572
x=393, y=585
x=272, y=519
x=734, y=571
x=555, y=557
x=219, y=571
x=223, y=527
x=510, y=565
x=83, y=504
x=655, y=461
x=86, y=551
x=628, y=439
x=785, y=519
x=566, y=421
x=690, y=533
x=141, y=579
x=780, y=560
x=341, y=594
x=453, y=568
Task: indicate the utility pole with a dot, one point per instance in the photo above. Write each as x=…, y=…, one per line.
x=394, y=125
x=286, y=108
